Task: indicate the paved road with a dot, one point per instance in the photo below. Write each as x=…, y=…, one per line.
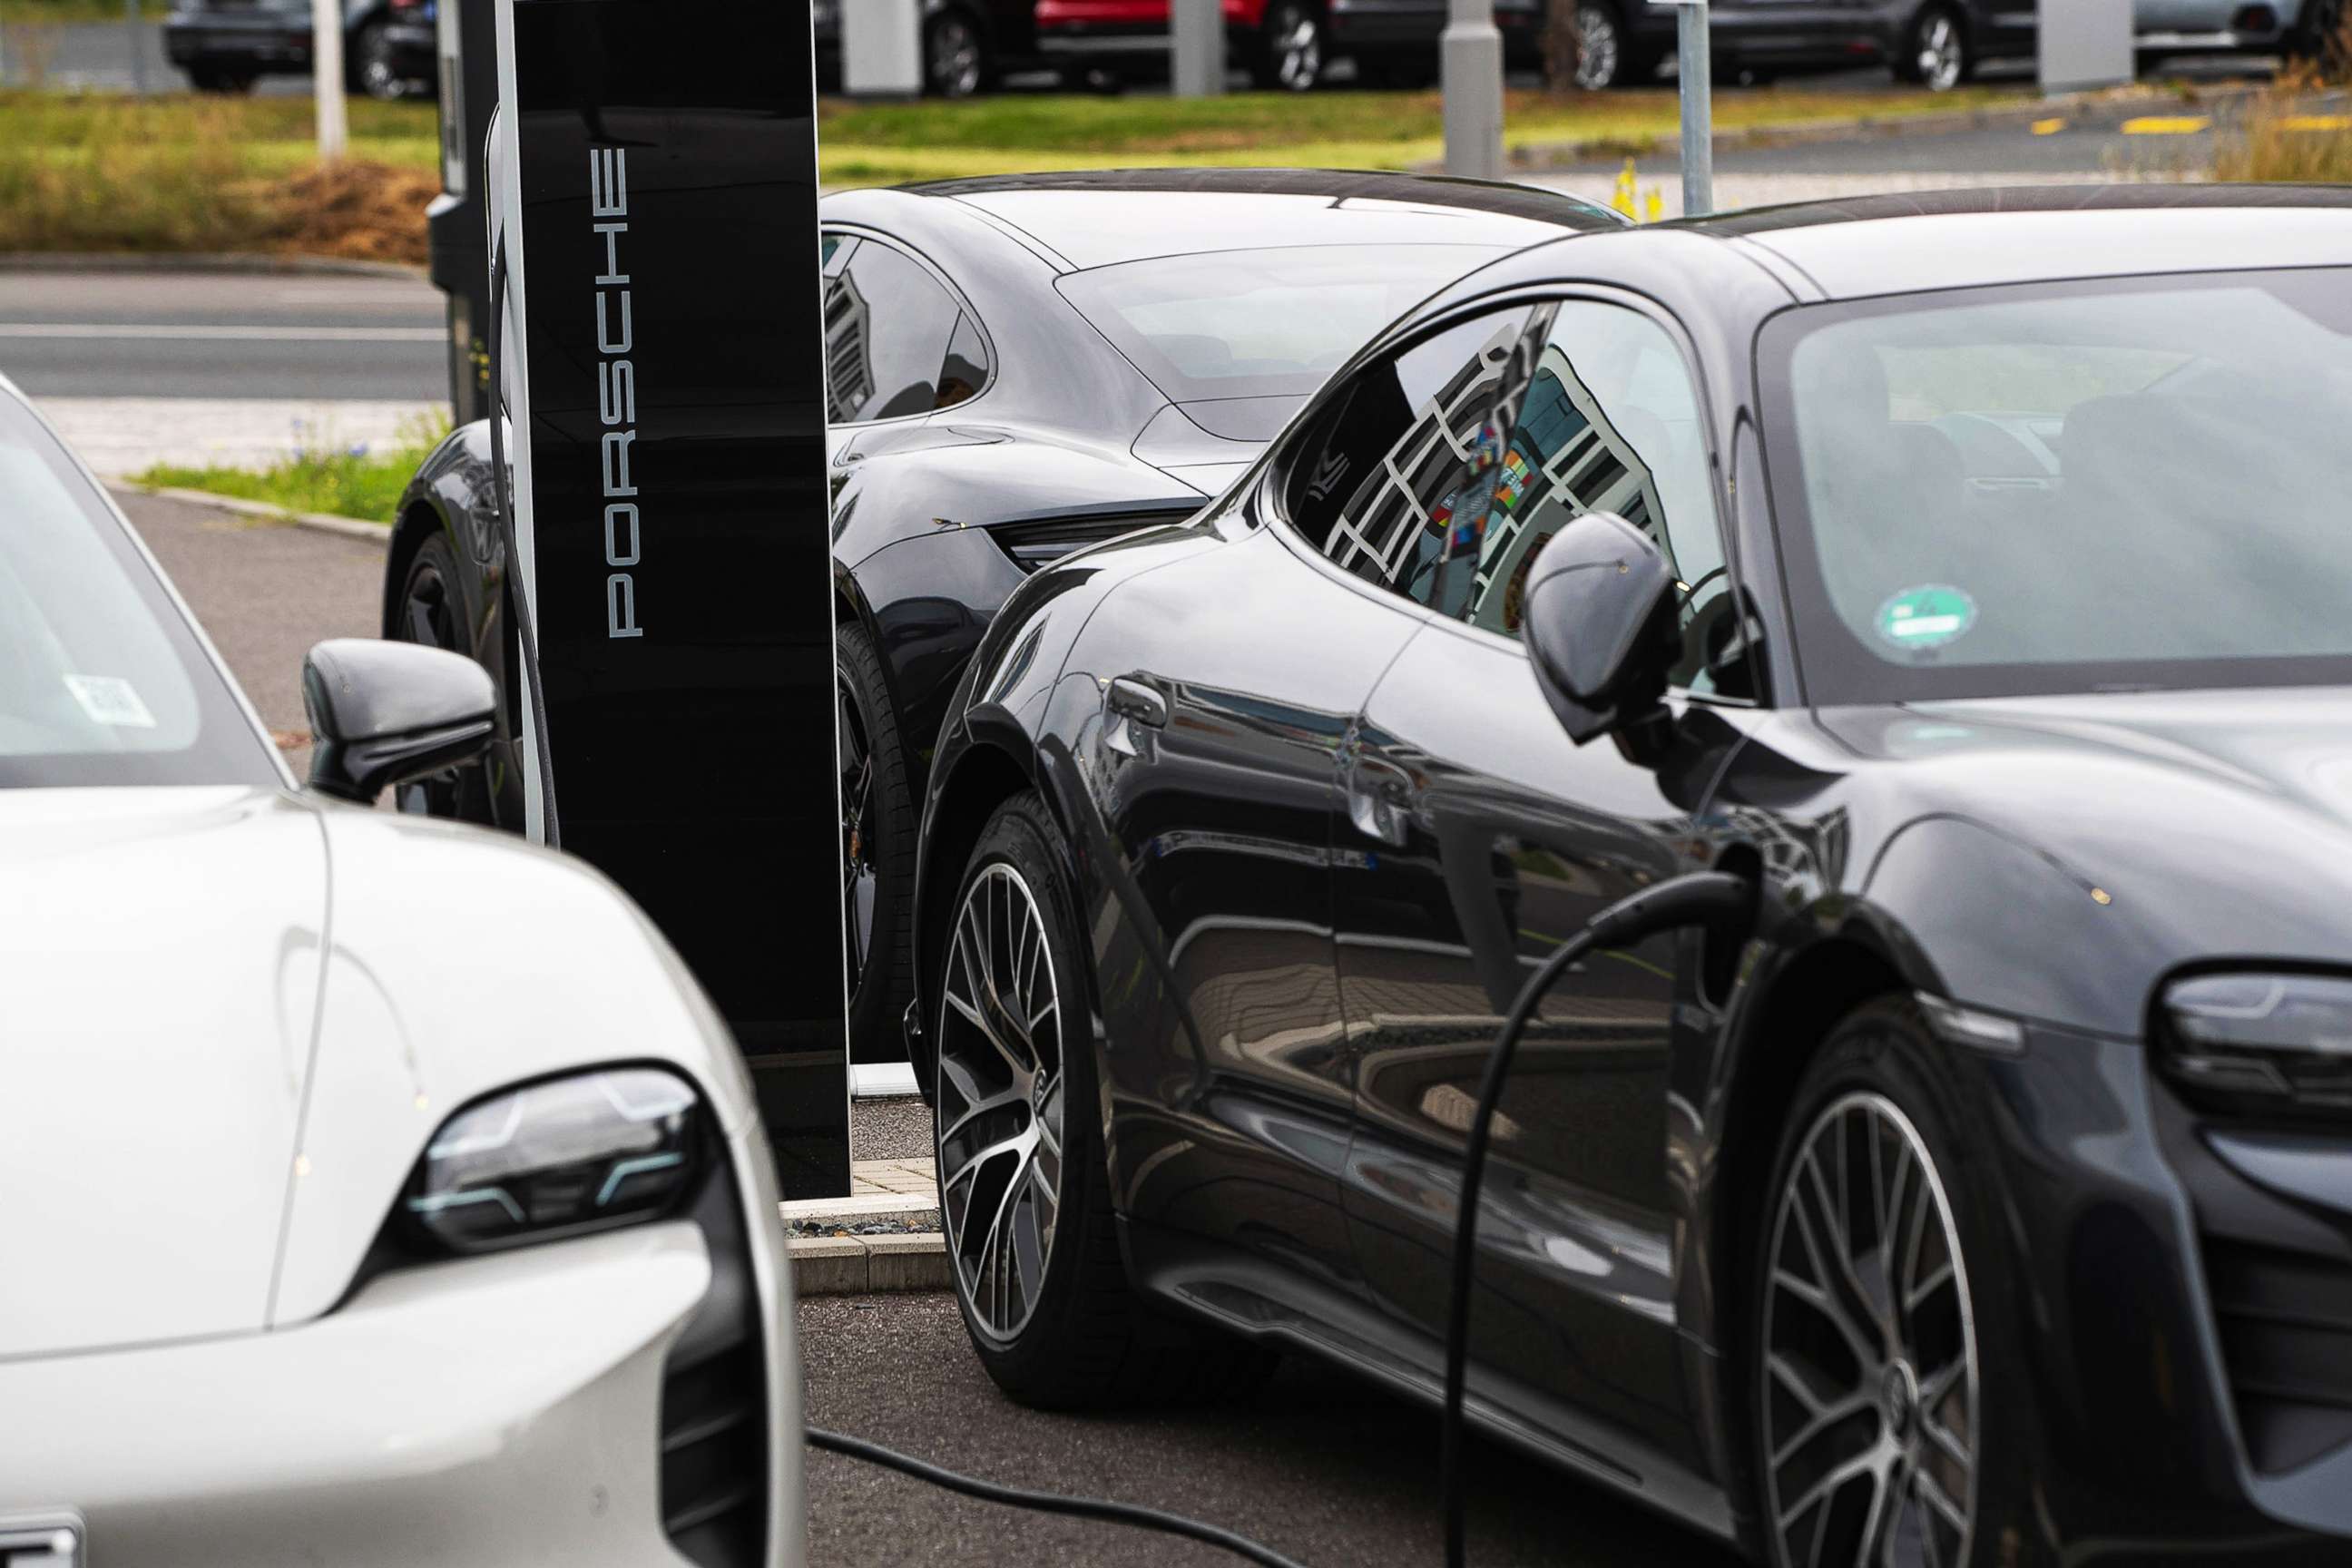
x=223, y=335
x=1318, y=1467
x=264, y=594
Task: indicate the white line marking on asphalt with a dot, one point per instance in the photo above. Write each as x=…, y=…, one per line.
x=186, y=333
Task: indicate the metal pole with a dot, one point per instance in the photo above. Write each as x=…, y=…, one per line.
x=1472, y=54
x=134, y=29
x=1695, y=67
x=327, y=77
x=1197, y=38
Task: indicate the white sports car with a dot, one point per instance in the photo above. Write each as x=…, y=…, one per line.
x=320, y=1243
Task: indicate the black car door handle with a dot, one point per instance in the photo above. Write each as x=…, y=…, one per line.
x=1137, y=699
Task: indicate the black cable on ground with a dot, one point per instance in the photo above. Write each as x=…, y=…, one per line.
x=1135, y=1514
x=502, y=484
x=1700, y=898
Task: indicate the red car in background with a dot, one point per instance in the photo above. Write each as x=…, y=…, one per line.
x=1286, y=44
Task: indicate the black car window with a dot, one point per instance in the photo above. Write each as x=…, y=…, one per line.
x=887, y=322
x=1381, y=477
x=966, y=371
x=1609, y=422
x=1441, y=473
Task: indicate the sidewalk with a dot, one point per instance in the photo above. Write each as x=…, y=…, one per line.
x=121, y=436
x=885, y=1235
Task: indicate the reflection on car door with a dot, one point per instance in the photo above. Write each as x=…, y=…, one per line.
x=1475, y=838
x=1211, y=763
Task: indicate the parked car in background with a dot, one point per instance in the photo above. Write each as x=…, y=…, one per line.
x=226, y=45
x=1938, y=44
x=1017, y=367
x=967, y=43
x=2165, y=27
x=395, y=1194
x=1285, y=44
x=1966, y=569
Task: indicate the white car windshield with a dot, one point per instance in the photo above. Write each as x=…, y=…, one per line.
x=101, y=681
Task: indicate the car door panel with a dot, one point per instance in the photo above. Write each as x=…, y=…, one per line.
x=1224, y=683
x=1506, y=841
x=1474, y=838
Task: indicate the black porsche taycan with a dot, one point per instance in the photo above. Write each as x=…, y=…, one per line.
x=1970, y=573
x=1017, y=367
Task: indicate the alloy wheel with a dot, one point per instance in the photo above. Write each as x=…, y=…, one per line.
x=1870, y=1401
x=1599, y=56
x=1297, y=45
x=1000, y=1101
x=956, y=57
x=428, y=616
x=380, y=76
x=1942, y=53
x=861, y=866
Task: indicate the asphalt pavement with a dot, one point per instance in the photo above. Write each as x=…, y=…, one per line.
x=265, y=592
x=108, y=334
x=1317, y=1465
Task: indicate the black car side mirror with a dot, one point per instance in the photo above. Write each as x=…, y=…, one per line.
x=383, y=713
x=1599, y=618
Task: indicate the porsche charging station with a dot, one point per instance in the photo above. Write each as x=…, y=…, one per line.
x=653, y=196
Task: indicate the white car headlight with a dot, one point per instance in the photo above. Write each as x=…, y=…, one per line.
x=560, y=1158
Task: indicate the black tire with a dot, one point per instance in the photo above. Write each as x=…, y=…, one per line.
x=1085, y=1341
x=1609, y=56
x=1882, y=1058
x=955, y=62
x=2320, y=40
x=376, y=66
x=1937, y=52
x=227, y=80
x=879, y=827
x=1399, y=70
x=1293, y=50
x=432, y=611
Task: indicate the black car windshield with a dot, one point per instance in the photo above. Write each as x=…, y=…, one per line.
x=2068, y=487
x=1260, y=323
x=101, y=681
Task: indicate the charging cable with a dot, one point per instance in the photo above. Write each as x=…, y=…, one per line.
x=1702, y=898
x=1135, y=1514
x=525, y=620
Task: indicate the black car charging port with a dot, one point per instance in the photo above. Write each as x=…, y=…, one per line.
x=1724, y=903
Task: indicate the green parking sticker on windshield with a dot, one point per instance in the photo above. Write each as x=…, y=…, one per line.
x=1927, y=617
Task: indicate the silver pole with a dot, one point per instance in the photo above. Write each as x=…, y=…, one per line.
x=134, y=29
x=1197, y=38
x=1472, y=54
x=1695, y=67
x=327, y=77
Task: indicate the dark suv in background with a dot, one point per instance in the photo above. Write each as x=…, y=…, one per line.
x=226, y=45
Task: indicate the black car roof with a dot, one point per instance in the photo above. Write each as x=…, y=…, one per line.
x=1098, y=217
x=1949, y=239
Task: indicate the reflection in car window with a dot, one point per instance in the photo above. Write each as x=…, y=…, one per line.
x=1443, y=473
x=966, y=371
x=1378, y=478
x=888, y=323
x=101, y=681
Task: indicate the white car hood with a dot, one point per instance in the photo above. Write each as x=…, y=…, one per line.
x=204, y=1139
x=159, y=983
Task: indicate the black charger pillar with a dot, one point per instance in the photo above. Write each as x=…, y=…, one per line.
x=664, y=379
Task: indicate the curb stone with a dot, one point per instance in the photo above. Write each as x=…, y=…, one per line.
x=376, y=533
x=859, y=1265
x=203, y=261
x=1535, y=157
